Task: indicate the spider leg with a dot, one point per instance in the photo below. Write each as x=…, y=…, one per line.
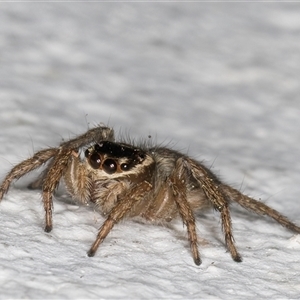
x=50, y=178
x=37, y=184
x=178, y=179
x=123, y=206
x=26, y=166
x=94, y=135
x=51, y=181
x=227, y=229
x=258, y=207
x=211, y=187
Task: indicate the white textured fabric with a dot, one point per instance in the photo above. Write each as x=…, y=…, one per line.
x=219, y=81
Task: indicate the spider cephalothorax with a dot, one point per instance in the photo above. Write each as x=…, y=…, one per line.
x=113, y=157
x=156, y=184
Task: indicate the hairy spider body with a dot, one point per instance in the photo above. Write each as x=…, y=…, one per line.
x=156, y=184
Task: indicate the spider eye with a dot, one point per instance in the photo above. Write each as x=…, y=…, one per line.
x=97, y=147
x=95, y=160
x=87, y=153
x=124, y=167
x=109, y=166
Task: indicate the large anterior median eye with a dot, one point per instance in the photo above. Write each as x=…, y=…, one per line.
x=109, y=166
x=95, y=160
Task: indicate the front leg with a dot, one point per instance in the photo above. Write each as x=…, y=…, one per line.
x=26, y=166
x=94, y=135
x=51, y=181
x=123, y=206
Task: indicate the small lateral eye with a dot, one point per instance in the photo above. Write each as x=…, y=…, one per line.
x=124, y=167
x=97, y=147
x=109, y=166
x=87, y=153
x=95, y=160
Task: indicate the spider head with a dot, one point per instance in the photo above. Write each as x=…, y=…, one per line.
x=117, y=158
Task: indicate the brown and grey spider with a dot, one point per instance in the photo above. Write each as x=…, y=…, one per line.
x=123, y=180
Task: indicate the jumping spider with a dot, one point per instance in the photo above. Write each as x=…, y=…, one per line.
x=154, y=183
